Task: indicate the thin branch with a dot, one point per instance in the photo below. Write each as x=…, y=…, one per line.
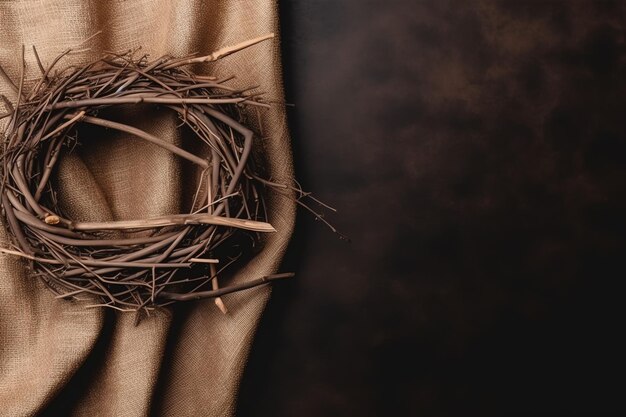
x=173, y=220
x=220, y=53
x=8, y=80
x=87, y=262
x=144, y=135
x=227, y=290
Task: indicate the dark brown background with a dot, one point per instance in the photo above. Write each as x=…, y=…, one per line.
x=476, y=152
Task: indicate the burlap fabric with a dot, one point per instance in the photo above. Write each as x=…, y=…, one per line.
x=57, y=357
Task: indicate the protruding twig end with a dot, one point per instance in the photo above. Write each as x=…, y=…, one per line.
x=220, y=304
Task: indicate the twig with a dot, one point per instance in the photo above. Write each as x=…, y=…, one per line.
x=215, y=286
x=228, y=290
x=220, y=53
x=172, y=220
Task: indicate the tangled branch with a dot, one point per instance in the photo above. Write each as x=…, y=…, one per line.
x=149, y=262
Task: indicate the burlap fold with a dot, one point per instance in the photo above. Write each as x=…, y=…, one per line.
x=57, y=357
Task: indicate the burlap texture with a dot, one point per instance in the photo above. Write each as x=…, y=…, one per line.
x=57, y=355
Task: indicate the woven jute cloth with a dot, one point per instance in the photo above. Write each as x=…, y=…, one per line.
x=56, y=356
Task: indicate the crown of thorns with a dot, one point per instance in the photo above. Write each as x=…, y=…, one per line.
x=134, y=264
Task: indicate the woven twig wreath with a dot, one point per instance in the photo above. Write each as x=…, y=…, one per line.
x=144, y=263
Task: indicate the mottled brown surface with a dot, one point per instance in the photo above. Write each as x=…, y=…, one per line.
x=476, y=152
